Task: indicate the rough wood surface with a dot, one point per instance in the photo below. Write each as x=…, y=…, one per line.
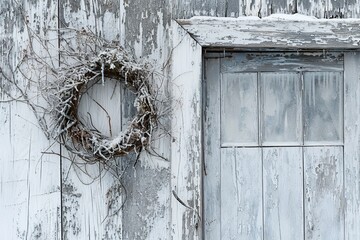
x=29, y=180
x=274, y=33
x=30, y=188
x=186, y=150
x=241, y=194
x=283, y=193
x=324, y=193
x=89, y=203
x=323, y=9
x=283, y=62
x=351, y=149
x=212, y=163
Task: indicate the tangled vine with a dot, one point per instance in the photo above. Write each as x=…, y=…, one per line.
x=88, y=143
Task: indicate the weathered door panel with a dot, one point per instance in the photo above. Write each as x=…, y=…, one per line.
x=274, y=124
x=283, y=193
x=324, y=191
x=241, y=194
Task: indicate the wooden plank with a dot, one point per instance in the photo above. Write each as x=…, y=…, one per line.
x=186, y=125
x=211, y=177
x=322, y=8
x=218, y=8
x=147, y=30
x=91, y=197
x=29, y=180
x=241, y=194
x=146, y=211
x=264, y=8
x=251, y=7
x=282, y=6
x=352, y=9
x=283, y=62
x=283, y=193
x=351, y=148
x=291, y=33
x=232, y=8
x=324, y=193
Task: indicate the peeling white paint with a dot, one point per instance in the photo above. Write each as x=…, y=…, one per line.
x=276, y=32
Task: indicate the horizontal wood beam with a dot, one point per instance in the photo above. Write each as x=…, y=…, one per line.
x=287, y=33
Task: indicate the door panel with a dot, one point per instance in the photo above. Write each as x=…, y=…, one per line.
x=283, y=193
x=324, y=215
x=239, y=108
x=241, y=194
x=323, y=107
x=281, y=108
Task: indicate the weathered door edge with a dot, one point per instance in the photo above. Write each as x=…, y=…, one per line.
x=186, y=125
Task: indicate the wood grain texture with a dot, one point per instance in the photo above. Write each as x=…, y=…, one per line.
x=352, y=9
x=186, y=150
x=283, y=193
x=214, y=8
x=324, y=193
x=264, y=8
x=241, y=194
x=322, y=8
x=351, y=149
x=30, y=182
x=147, y=30
x=211, y=177
x=29, y=179
x=147, y=212
x=273, y=33
x=91, y=197
x=283, y=62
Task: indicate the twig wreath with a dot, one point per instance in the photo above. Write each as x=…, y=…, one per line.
x=90, y=144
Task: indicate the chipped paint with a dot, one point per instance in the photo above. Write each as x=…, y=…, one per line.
x=291, y=32
x=147, y=29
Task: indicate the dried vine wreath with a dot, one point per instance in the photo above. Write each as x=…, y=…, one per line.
x=71, y=84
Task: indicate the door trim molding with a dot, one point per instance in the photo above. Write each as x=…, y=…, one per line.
x=289, y=33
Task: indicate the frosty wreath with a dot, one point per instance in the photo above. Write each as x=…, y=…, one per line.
x=71, y=84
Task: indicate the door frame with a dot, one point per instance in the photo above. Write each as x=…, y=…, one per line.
x=191, y=38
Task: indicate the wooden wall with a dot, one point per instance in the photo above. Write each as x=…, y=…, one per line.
x=41, y=195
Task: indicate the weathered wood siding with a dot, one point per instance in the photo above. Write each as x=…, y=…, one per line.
x=43, y=197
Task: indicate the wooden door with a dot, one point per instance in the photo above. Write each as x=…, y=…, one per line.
x=274, y=146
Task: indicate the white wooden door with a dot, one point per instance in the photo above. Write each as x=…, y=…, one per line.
x=274, y=146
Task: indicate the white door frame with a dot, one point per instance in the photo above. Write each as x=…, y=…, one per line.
x=190, y=37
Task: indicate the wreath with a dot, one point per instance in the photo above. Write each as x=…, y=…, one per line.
x=90, y=144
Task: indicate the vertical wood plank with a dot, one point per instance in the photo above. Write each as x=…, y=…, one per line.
x=352, y=9
x=282, y=6
x=241, y=194
x=186, y=125
x=92, y=197
x=211, y=177
x=264, y=8
x=251, y=7
x=215, y=8
x=147, y=211
x=232, y=8
x=283, y=193
x=29, y=180
x=351, y=148
x=322, y=8
x=324, y=193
